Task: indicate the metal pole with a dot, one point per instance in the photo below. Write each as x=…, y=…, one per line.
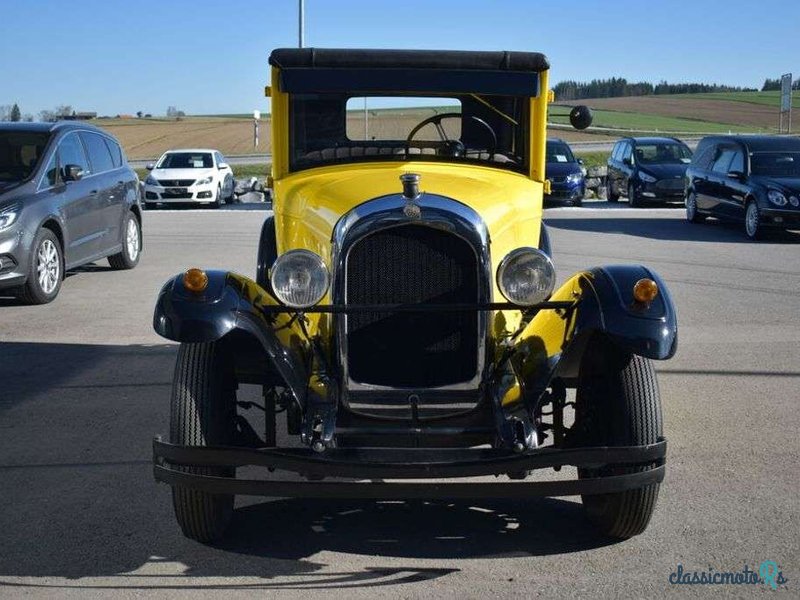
x=300, y=24
x=366, y=121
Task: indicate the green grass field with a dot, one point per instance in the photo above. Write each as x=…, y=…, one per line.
x=612, y=119
x=763, y=98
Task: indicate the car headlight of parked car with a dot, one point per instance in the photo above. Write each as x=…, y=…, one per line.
x=646, y=177
x=794, y=201
x=203, y=181
x=776, y=197
x=299, y=278
x=526, y=276
x=574, y=177
x=8, y=214
x=151, y=180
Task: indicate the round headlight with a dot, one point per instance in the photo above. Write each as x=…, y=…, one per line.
x=299, y=278
x=526, y=276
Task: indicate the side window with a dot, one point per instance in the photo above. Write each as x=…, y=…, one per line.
x=116, y=153
x=737, y=162
x=99, y=156
x=70, y=152
x=627, y=151
x=615, y=151
x=723, y=160
x=220, y=158
x=703, y=155
x=50, y=173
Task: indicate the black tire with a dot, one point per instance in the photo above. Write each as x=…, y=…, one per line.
x=753, y=228
x=128, y=257
x=610, y=195
x=618, y=404
x=218, y=199
x=633, y=198
x=33, y=291
x=577, y=201
x=267, y=253
x=691, y=209
x=232, y=198
x=202, y=413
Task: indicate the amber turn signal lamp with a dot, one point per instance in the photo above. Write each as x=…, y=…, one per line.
x=195, y=280
x=645, y=291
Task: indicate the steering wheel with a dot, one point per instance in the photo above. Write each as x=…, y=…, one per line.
x=452, y=147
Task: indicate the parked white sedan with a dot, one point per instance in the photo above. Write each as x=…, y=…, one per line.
x=193, y=175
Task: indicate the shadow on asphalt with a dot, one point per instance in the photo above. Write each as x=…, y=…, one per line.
x=79, y=501
x=677, y=229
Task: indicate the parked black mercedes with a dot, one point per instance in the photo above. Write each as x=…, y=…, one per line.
x=754, y=180
x=67, y=198
x=647, y=169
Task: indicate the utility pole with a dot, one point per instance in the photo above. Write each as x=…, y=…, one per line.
x=300, y=24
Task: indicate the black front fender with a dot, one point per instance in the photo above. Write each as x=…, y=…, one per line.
x=233, y=303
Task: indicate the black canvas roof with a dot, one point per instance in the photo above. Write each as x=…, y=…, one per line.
x=310, y=58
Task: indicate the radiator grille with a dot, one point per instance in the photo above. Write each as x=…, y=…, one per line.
x=412, y=264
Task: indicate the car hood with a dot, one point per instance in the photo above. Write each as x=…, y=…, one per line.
x=181, y=173
x=666, y=171
x=308, y=204
x=561, y=169
x=791, y=184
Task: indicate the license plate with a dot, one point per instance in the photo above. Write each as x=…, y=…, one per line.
x=175, y=191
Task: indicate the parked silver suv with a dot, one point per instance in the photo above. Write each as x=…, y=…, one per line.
x=67, y=198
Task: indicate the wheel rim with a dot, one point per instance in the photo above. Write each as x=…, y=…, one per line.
x=48, y=266
x=691, y=207
x=132, y=239
x=751, y=221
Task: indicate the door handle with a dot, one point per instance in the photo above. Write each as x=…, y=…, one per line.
x=93, y=193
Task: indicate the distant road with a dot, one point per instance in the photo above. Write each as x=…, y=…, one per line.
x=257, y=159
x=242, y=159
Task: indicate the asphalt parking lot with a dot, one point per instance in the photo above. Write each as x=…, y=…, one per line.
x=85, y=385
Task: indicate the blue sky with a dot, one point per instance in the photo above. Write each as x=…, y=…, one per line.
x=204, y=56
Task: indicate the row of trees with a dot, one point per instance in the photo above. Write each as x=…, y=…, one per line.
x=11, y=112
x=774, y=85
x=619, y=86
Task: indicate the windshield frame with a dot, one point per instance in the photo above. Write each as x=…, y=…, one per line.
x=571, y=159
x=167, y=155
x=796, y=161
x=518, y=132
x=47, y=136
x=683, y=160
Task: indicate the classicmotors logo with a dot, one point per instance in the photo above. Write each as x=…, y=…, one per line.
x=768, y=573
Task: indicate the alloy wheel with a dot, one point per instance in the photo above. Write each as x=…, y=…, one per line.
x=48, y=266
x=691, y=207
x=752, y=220
x=132, y=239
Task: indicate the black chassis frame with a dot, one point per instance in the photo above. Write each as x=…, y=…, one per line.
x=228, y=307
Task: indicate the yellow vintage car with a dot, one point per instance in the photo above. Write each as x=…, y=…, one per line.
x=404, y=318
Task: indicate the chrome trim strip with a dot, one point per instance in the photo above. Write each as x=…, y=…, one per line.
x=385, y=212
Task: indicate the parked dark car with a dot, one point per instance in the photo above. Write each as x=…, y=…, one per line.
x=565, y=173
x=753, y=180
x=647, y=169
x=67, y=197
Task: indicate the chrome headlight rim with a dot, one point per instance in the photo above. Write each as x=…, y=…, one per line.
x=514, y=255
x=319, y=265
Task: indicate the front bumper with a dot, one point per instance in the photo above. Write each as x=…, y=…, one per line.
x=671, y=190
x=645, y=465
x=201, y=194
x=777, y=217
x=565, y=192
x=14, y=253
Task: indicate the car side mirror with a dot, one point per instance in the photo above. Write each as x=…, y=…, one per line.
x=71, y=173
x=737, y=175
x=580, y=117
x=150, y=166
x=580, y=161
x=222, y=166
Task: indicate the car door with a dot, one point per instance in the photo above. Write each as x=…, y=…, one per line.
x=701, y=165
x=626, y=167
x=110, y=192
x=736, y=187
x=77, y=203
x=614, y=170
x=716, y=191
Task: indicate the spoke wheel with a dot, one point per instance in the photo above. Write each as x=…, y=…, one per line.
x=46, y=270
x=691, y=209
x=752, y=221
x=131, y=245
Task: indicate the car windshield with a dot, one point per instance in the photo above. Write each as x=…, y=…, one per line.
x=775, y=164
x=559, y=152
x=186, y=160
x=662, y=153
x=20, y=152
x=331, y=127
